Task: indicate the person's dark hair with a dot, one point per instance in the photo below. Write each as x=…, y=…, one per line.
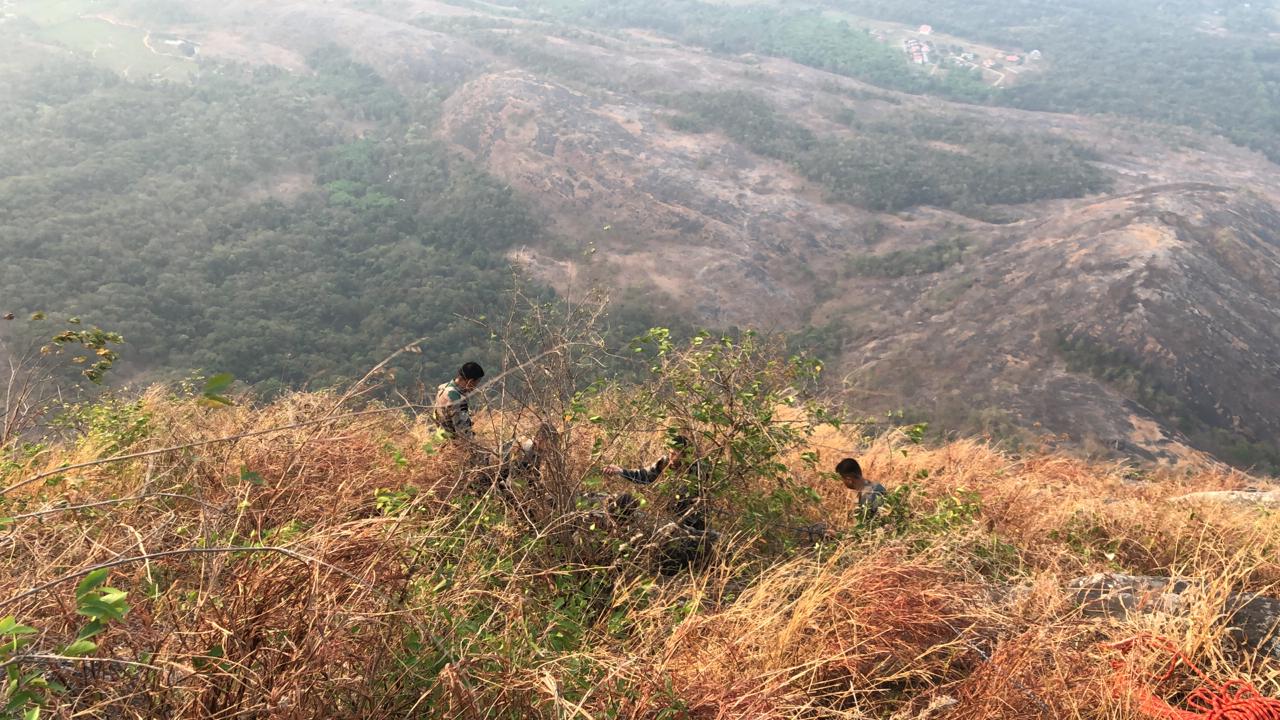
x=849, y=467
x=621, y=507
x=471, y=371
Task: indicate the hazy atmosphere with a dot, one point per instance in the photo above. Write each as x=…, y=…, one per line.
x=468, y=359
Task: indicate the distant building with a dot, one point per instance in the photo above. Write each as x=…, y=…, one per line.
x=1036, y=55
x=926, y=29
x=1013, y=58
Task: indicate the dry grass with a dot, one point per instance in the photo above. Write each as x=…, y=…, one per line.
x=439, y=603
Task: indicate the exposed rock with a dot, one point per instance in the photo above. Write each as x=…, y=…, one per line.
x=1241, y=498
x=1254, y=620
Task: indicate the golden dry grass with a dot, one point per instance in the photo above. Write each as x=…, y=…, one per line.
x=439, y=603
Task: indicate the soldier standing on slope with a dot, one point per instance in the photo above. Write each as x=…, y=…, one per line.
x=452, y=413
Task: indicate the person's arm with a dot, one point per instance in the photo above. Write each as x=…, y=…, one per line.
x=639, y=476
x=871, y=500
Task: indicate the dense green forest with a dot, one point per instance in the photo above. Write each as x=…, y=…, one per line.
x=238, y=224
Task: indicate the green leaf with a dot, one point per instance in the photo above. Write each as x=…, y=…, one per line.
x=217, y=384
x=80, y=648
x=203, y=663
x=13, y=646
x=214, y=388
x=112, y=596
x=98, y=610
x=91, y=582
x=17, y=701
x=32, y=714
x=90, y=629
x=215, y=401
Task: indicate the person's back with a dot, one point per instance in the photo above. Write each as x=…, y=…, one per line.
x=452, y=411
x=871, y=498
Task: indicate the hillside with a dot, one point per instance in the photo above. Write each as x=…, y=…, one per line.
x=1021, y=260
x=309, y=559
x=1010, y=263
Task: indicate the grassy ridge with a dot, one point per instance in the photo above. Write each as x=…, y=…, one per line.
x=403, y=594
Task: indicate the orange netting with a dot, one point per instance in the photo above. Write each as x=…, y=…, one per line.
x=1231, y=700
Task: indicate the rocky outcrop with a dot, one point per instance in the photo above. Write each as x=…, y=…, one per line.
x=1253, y=620
x=1237, y=498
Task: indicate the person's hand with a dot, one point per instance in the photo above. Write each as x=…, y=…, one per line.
x=612, y=470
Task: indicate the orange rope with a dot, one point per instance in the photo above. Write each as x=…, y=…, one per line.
x=1232, y=700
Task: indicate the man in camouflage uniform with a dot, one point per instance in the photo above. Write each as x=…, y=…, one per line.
x=452, y=413
x=687, y=539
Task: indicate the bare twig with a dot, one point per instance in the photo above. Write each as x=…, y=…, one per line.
x=103, y=503
x=184, y=551
x=49, y=658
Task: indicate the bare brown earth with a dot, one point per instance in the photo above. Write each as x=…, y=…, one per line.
x=1178, y=268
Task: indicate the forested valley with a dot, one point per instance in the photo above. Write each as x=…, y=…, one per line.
x=237, y=224
x=1145, y=59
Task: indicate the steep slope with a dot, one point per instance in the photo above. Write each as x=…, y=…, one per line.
x=1159, y=305
x=1139, y=321
x=305, y=563
x=701, y=219
x=1144, y=319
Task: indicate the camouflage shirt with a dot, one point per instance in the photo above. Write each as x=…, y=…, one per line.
x=452, y=412
x=870, y=499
